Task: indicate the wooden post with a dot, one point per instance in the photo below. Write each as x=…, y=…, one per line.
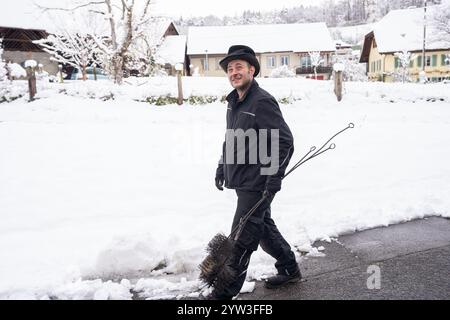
x=180, y=89
x=31, y=82
x=338, y=84
x=61, y=78
x=179, y=70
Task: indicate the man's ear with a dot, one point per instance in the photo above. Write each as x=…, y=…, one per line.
x=252, y=70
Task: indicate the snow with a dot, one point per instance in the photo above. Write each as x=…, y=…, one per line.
x=352, y=34
x=16, y=70
x=261, y=38
x=248, y=287
x=338, y=67
x=403, y=30
x=30, y=63
x=115, y=199
x=172, y=50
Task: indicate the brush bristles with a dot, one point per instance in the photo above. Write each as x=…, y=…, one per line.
x=214, y=270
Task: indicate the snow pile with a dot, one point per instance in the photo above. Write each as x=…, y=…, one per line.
x=156, y=289
x=282, y=72
x=17, y=71
x=30, y=64
x=116, y=199
x=338, y=67
x=10, y=92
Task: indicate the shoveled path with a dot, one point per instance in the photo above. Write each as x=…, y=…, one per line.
x=413, y=260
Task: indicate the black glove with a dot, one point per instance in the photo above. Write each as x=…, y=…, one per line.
x=219, y=183
x=268, y=194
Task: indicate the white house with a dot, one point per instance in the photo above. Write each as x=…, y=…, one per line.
x=274, y=45
x=404, y=30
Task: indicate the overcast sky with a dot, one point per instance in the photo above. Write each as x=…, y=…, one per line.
x=224, y=7
x=17, y=12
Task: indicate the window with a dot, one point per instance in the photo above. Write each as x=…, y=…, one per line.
x=434, y=60
x=271, y=62
x=444, y=60
x=428, y=61
x=305, y=62
x=285, y=60
x=411, y=63
x=218, y=67
x=419, y=61
x=397, y=62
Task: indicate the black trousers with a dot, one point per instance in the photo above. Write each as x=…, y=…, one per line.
x=261, y=230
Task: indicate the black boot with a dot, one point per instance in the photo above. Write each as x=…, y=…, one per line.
x=282, y=279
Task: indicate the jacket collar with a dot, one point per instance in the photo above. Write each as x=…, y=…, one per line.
x=233, y=97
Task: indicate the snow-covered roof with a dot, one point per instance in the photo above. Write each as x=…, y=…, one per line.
x=403, y=30
x=351, y=34
x=261, y=38
x=159, y=26
x=172, y=50
x=342, y=44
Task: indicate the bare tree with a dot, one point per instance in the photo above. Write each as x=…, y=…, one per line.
x=404, y=59
x=441, y=20
x=316, y=60
x=127, y=22
x=76, y=50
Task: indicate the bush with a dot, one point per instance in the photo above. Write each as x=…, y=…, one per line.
x=193, y=100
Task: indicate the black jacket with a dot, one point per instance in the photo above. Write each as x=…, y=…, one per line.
x=256, y=110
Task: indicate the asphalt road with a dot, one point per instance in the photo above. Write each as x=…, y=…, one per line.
x=405, y=261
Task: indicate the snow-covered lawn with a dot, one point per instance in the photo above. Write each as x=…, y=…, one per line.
x=93, y=191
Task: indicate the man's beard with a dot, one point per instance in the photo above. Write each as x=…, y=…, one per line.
x=245, y=84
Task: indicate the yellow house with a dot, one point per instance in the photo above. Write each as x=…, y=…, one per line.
x=402, y=30
x=275, y=45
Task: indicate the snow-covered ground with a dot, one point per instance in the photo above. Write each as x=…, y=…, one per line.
x=106, y=199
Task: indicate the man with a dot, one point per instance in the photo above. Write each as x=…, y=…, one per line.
x=252, y=108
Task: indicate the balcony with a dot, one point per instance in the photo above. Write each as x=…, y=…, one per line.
x=310, y=70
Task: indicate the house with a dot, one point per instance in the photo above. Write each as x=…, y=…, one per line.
x=343, y=48
x=171, y=46
x=274, y=44
x=402, y=30
x=18, y=47
x=171, y=52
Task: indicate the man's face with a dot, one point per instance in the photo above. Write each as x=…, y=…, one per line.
x=240, y=73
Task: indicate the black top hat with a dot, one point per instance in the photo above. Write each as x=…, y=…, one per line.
x=240, y=52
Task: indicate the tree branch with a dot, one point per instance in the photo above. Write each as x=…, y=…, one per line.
x=44, y=9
